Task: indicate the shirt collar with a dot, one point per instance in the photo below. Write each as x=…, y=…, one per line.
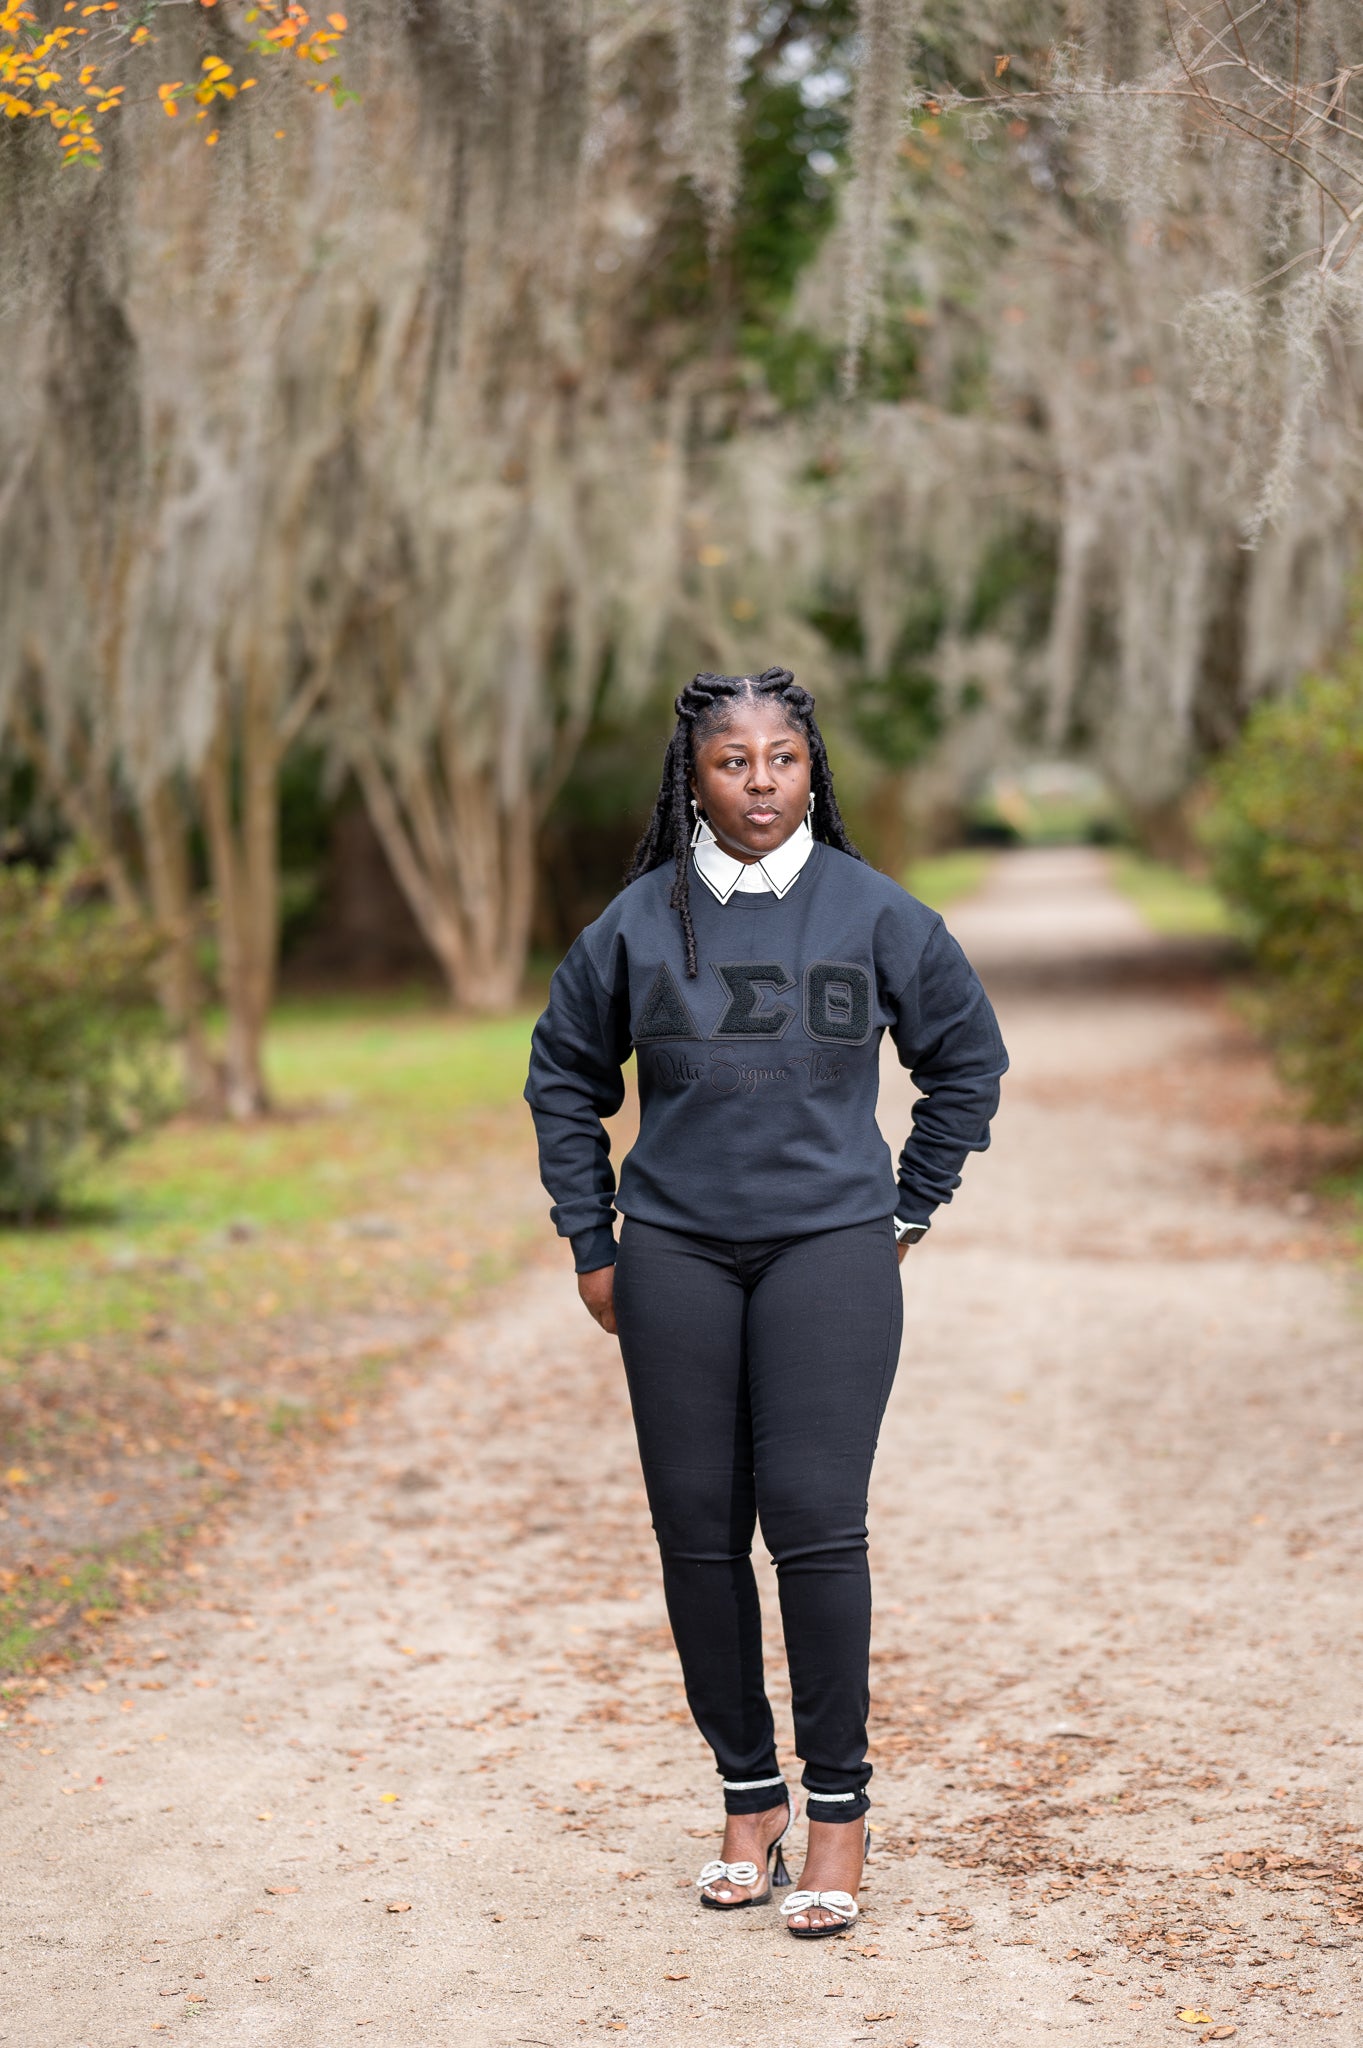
x=776, y=872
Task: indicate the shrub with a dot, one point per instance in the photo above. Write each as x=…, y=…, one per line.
x=80, y=1034
x=1286, y=839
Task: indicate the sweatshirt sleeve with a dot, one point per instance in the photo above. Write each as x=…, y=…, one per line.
x=577, y=1052
x=948, y=1037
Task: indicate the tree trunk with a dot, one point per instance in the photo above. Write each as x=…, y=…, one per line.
x=239, y=787
x=165, y=839
x=81, y=784
x=1167, y=831
x=464, y=859
x=889, y=814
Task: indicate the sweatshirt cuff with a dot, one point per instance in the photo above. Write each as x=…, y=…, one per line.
x=593, y=1248
x=915, y=1209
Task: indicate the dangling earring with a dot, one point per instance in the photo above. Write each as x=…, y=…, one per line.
x=809, y=814
x=700, y=822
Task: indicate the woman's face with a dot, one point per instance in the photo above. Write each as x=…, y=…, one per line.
x=752, y=779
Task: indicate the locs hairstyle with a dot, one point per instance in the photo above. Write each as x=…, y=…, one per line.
x=706, y=706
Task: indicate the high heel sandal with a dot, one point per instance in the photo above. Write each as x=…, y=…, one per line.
x=746, y=1873
x=841, y=1904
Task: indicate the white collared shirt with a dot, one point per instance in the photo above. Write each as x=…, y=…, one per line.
x=776, y=871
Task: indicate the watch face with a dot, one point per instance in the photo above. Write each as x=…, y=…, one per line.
x=912, y=1233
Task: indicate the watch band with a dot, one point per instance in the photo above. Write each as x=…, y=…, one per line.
x=909, y=1233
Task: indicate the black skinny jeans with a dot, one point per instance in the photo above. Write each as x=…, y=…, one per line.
x=758, y=1375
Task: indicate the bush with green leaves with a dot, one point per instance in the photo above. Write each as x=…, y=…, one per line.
x=82, y=1066
x=1286, y=840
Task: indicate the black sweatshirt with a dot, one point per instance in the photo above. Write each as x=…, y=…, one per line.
x=758, y=1080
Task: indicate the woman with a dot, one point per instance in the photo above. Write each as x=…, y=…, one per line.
x=753, y=962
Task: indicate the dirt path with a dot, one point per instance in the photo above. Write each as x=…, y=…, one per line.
x=416, y=1768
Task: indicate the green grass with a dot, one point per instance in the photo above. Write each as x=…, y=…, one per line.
x=1171, y=901
x=944, y=878
x=415, y=1058
x=1347, y=1189
x=366, y=1090
x=52, y=1611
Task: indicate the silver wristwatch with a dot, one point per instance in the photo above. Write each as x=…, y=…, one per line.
x=909, y=1233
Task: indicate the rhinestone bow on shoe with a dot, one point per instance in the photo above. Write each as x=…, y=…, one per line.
x=841, y=1905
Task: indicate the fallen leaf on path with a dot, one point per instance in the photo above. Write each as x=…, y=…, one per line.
x=263, y=1978
x=280, y=1891
x=399, y=1906
x=1192, y=2016
x=264, y=1816
x=628, y=1876
x=676, y=1976
x=1218, y=2034
x=173, y=1994
x=870, y=2018
x=388, y=1799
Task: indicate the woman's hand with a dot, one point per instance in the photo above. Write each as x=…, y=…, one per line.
x=598, y=1292
x=902, y=1251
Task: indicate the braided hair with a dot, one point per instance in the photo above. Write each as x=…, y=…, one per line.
x=703, y=707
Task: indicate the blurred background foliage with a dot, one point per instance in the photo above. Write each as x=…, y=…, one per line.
x=1286, y=840
x=80, y=1033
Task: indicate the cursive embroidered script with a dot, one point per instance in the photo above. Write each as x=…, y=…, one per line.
x=729, y=1073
